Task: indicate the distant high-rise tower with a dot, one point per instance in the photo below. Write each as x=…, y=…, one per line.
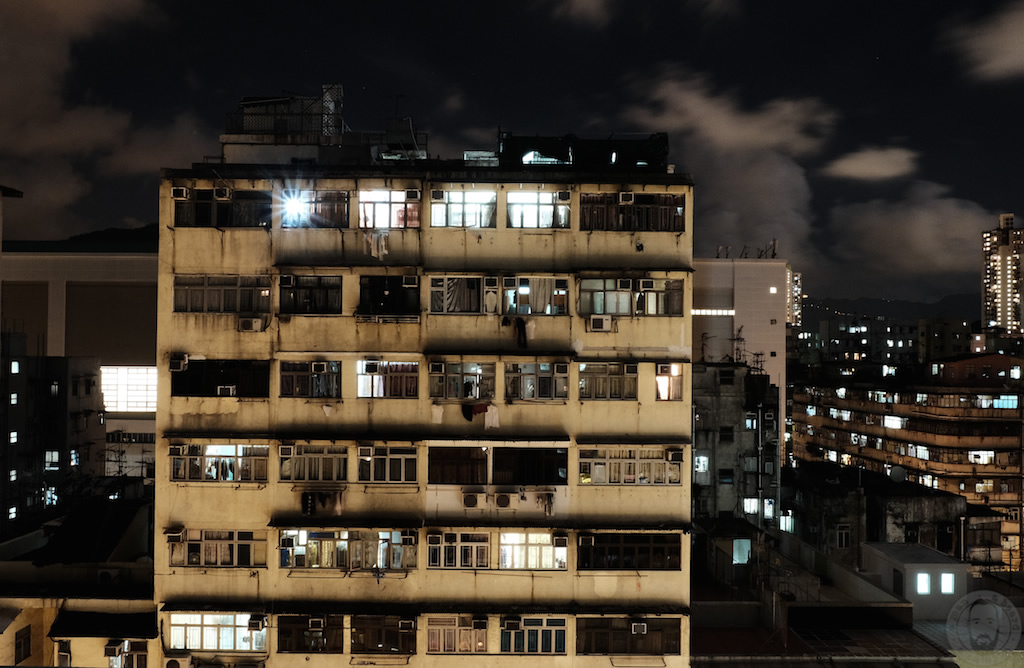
x=1001, y=280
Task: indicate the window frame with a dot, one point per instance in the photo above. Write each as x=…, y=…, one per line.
x=531, y=553
x=215, y=463
x=597, y=380
x=512, y=287
x=347, y=550
x=536, y=210
x=456, y=634
x=390, y=464
x=309, y=463
x=670, y=386
x=628, y=636
x=296, y=635
x=556, y=378
x=320, y=209
x=304, y=294
x=629, y=466
x=299, y=379
x=454, y=202
x=391, y=380
x=216, y=548
x=447, y=381
x=181, y=623
x=390, y=207
x=210, y=293
x=382, y=634
x=519, y=636
x=459, y=550
x=629, y=552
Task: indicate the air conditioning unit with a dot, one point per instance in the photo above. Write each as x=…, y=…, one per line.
x=179, y=193
x=631, y=369
x=409, y=538
x=624, y=284
x=433, y=539
x=287, y=542
x=410, y=281
x=509, y=282
x=227, y=390
x=287, y=281
x=563, y=195
x=257, y=622
x=625, y=198
x=586, y=541
x=470, y=500
x=178, y=662
x=480, y=623
x=600, y=323
x=646, y=284
x=674, y=455
x=436, y=367
x=511, y=623
x=287, y=451
x=561, y=284
x=176, y=450
x=318, y=367
x=436, y=195
x=250, y=324
x=638, y=628
x=664, y=369
x=112, y=648
x=412, y=195
x=371, y=367
x=560, y=540
x=317, y=623
x=178, y=364
x=561, y=368
x=406, y=624
x=222, y=193
x=506, y=501
x=491, y=282
x=365, y=451
x=174, y=535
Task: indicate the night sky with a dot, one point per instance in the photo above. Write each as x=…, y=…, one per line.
x=874, y=140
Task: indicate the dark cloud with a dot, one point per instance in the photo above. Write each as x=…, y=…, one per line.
x=992, y=47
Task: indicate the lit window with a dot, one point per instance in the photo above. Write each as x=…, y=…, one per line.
x=129, y=388
x=14, y=398
x=700, y=464
x=535, y=549
x=51, y=460
x=769, y=508
x=214, y=631
x=13, y=475
x=669, y=382
x=14, y=437
x=786, y=522
x=12, y=512
x=772, y=290
x=15, y=366
x=946, y=581
x=924, y=584
x=750, y=505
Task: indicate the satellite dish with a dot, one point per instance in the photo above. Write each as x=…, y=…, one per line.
x=898, y=474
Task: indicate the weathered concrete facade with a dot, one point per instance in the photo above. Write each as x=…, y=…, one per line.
x=394, y=440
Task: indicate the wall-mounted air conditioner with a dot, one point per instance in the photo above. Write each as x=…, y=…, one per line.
x=250, y=324
x=406, y=624
x=287, y=280
x=318, y=367
x=624, y=284
x=222, y=193
x=562, y=368
x=586, y=541
x=563, y=195
x=257, y=622
x=646, y=284
x=371, y=367
x=599, y=323
x=560, y=540
x=631, y=369
x=287, y=451
x=410, y=281
x=638, y=628
x=178, y=364
x=436, y=367
x=674, y=455
x=506, y=501
x=317, y=623
x=471, y=500
x=227, y=390
x=365, y=451
x=412, y=195
x=436, y=195
x=511, y=623
x=625, y=198
x=179, y=193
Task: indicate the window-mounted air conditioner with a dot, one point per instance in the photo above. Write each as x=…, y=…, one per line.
x=562, y=368
x=631, y=369
x=257, y=622
x=506, y=501
x=287, y=542
x=318, y=367
x=674, y=455
x=250, y=324
x=409, y=538
x=646, y=284
x=412, y=195
x=563, y=195
x=624, y=284
x=625, y=198
x=470, y=500
x=600, y=323
x=406, y=624
x=511, y=623
x=436, y=195
x=365, y=451
x=638, y=628
x=176, y=450
x=175, y=535
x=317, y=623
x=586, y=541
x=560, y=540
x=561, y=284
x=287, y=280
x=371, y=367
x=509, y=282
x=227, y=390
x=480, y=623
x=178, y=364
x=287, y=451
x=179, y=193
x=410, y=281
x=433, y=539
x=491, y=282
x=222, y=193
x=437, y=367
x=112, y=648
x=664, y=369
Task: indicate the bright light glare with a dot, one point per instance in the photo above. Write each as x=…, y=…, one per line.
x=293, y=206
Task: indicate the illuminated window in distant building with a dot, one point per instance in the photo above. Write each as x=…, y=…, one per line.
x=946, y=581
x=750, y=505
x=51, y=460
x=15, y=367
x=924, y=584
x=128, y=389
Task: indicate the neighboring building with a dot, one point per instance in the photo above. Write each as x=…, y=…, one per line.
x=735, y=443
x=929, y=579
x=961, y=435
x=742, y=311
x=940, y=338
x=414, y=408
x=1001, y=277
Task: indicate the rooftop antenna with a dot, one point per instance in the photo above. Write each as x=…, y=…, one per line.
x=704, y=338
x=739, y=354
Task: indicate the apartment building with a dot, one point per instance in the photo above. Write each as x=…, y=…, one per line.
x=960, y=433
x=1001, y=277
x=410, y=408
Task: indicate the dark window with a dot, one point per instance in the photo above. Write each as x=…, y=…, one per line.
x=457, y=466
x=221, y=294
x=222, y=378
x=536, y=381
x=388, y=295
x=302, y=633
x=725, y=476
x=321, y=463
x=531, y=466
x=457, y=294
x=725, y=433
x=387, y=464
x=627, y=636
x=534, y=635
x=311, y=379
x=607, y=381
x=23, y=644
x=373, y=634
x=646, y=212
x=311, y=294
x=653, y=552
x=223, y=208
